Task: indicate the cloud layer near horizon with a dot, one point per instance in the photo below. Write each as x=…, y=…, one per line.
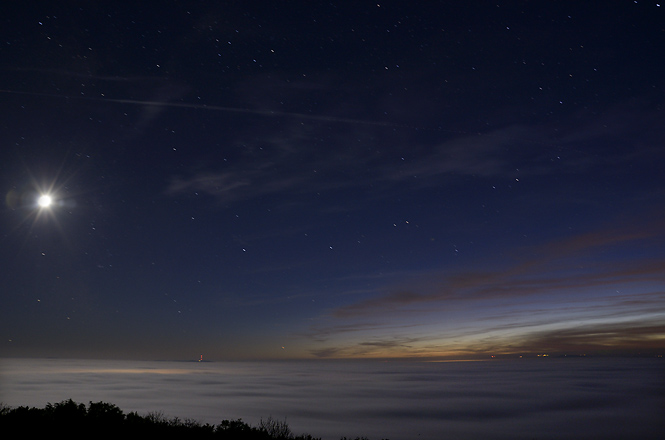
x=565, y=398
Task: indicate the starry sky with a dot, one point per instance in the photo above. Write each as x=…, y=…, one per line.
x=338, y=179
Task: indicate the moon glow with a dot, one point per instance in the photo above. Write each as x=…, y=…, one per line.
x=44, y=201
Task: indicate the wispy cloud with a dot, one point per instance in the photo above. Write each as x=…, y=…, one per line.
x=573, y=263
x=619, y=337
x=293, y=167
x=557, y=292
x=292, y=157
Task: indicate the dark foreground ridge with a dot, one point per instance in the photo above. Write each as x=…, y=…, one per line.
x=71, y=418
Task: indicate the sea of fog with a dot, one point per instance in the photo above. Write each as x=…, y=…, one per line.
x=579, y=398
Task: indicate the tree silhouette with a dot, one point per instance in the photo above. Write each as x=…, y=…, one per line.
x=74, y=419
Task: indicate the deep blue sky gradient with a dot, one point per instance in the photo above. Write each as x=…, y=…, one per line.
x=332, y=179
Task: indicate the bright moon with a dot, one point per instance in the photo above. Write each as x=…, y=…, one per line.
x=44, y=201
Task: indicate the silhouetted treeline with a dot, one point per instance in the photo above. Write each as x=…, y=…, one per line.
x=71, y=418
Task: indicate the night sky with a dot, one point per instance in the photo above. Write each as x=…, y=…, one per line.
x=268, y=180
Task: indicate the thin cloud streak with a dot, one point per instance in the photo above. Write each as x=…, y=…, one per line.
x=554, y=268
x=292, y=159
x=548, y=302
x=635, y=337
